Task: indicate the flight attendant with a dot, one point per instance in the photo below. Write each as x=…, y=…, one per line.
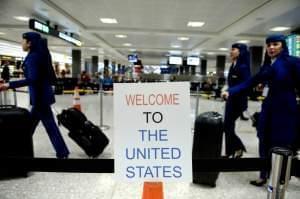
x=277, y=125
x=39, y=76
x=236, y=104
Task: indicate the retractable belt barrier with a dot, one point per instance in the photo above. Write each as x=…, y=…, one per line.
x=107, y=165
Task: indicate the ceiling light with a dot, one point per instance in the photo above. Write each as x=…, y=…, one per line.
x=195, y=24
x=132, y=50
x=121, y=36
x=210, y=53
x=108, y=20
x=22, y=18
x=175, y=52
x=243, y=41
x=92, y=48
x=183, y=38
x=175, y=46
x=127, y=44
x=280, y=28
x=223, y=49
x=2, y=33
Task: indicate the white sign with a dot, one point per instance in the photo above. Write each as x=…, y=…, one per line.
x=152, y=132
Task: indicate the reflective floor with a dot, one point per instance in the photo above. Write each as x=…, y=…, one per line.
x=103, y=186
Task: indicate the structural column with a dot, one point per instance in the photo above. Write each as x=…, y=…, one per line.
x=256, y=55
x=220, y=65
x=203, y=67
x=106, y=63
x=95, y=60
x=76, y=63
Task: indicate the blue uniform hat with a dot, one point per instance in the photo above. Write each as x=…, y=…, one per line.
x=244, y=56
x=241, y=47
x=275, y=38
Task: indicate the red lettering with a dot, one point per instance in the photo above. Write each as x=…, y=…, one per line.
x=175, y=99
x=152, y=102
x=139, y=99
x=130, y=100
x=152, y=99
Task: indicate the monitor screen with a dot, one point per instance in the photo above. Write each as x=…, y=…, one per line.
x=175, y=60
x=132, y=58
x=193, y=61
x=293, y=43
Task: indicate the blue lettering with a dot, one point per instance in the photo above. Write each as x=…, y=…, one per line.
x=130, y=157
x=148, y=172
x=163, y=135
x=140, y=170
x=130, y=172
x=143, y=134
x=177, y=172
x=157, y=170
x=176, y=153
x=167, y=171
x=165, y=153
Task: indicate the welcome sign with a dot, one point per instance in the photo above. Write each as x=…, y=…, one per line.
x=152, y=132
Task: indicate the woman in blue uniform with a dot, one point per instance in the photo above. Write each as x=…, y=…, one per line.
x=39, y=76
x=235, y=105
x=277, y=125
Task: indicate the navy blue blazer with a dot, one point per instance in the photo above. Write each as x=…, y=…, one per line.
x=237, y=75
x=40, y=89
x=278, y=119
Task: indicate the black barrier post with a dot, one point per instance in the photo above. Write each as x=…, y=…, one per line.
x=101, y=125
x=197, y=103
x=280, y=172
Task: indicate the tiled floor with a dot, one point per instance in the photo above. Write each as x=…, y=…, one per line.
x=103, y=186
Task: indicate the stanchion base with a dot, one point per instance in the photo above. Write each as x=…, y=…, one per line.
x=104, y=127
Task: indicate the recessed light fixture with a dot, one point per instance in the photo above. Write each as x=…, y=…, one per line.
x=183, y=38
x=92, y=48
x=127, y=44
x=132, y=50
x=175, y=52
x=210, y=53
x=195, y=23
x=22, y=18
x=2, y=33
x=280, y=28
x=223, y=49
x=121, y=36
x=108, y=20
x=175, y=46
x=243, y=41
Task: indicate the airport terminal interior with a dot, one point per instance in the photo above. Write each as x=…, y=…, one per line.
x=98, y=44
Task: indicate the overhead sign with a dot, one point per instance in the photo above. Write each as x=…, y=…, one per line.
x=44, y=28
x=152, y=132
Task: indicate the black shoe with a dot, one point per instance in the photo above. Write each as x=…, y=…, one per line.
x=259, y=182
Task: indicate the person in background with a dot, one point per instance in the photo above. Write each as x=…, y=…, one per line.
x=107, y=81
x=277, y=123
x=5, y=72
x=39, y=76
x=235, y=105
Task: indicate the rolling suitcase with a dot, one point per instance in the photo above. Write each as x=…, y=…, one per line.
x=207, y=143
x=83, y=132
x=15, y=133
